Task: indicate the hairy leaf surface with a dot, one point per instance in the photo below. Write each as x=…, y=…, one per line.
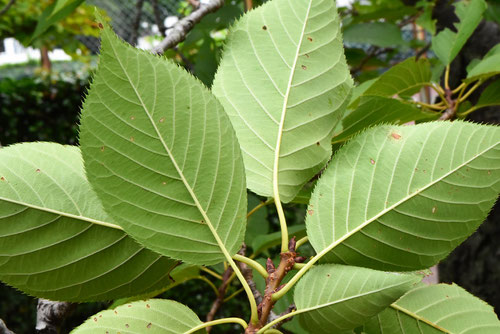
x=402, y=197
x=155, y=316
x=336, y=298
x=162, y=156
x=56, y=241
x=284, y=82
x=447, y=44
x=436, y=309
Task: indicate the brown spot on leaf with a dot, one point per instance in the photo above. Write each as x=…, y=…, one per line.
x=317, y=143
x=162, y=120
x=264, y=27
x=309, y=39
x=129, y=305
x=37, y=170
x=101, y=26
x=127, y=325
x=116, y=312
x=148, y=326
x=2, y=178
x=304, y=67
x=164, y=183
x=147, y=306
x=306, y=55
x=372, y=161
x=95, y=319
x=328, y=275
x=132, y=139
x=102, y=148
x=434, y=209
x=132, y=117
x=489, y=172
x=310, y=212
x=395, y=135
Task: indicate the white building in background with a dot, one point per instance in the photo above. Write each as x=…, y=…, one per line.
x=14, y=52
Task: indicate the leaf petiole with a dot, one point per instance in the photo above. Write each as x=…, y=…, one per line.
x=252, y=263
x=218, y=322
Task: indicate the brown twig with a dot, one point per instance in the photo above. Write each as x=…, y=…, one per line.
x=158, y=19
x=180, y=30
x=220, y=296
x=50, y=315
x=452, y=106
x=248, y=5
x=6, y=7
x=137, y=21
x=273, y=281
x=374, y=51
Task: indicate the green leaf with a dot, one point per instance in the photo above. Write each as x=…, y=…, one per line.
x=490, y=96
x=436, y=309
x=261, y=243
x=55, y=12
x=283, y=98
x=155, y=316
x=485, y=68
x=335, y=298
x=56, y=241
x=162, y=156
x=425, y=20
x=447, y=44
x=402, y=197
x=405, y=78
x=374, y=110
x=178, y=275
x=257, y=223
x=382, y=34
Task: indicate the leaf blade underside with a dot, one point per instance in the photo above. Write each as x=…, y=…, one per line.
x=336, y=298
x=156, y=316
x=162, y=156
x=52, y=240
x=399, y=198
x=436, y=309
x=285, y=100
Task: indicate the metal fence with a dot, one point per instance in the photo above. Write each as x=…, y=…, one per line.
x=132, y=19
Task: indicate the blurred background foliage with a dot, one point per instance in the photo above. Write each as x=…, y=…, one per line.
x=40, y=101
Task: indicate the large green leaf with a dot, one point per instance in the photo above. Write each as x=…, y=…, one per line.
x=436, y=309
x=335, y=298
x=284, y=82
x=155, y=316
x=447, y=44
x=383, y=34
x=405, y=78
x=374, y=110
x=56, y=241
x=55, y=12
x=162, y=156
x=403, y=197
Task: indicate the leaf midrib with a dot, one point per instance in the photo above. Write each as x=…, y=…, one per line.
x=308, y=309
x=419, y=318
x=61, y=213
x=172, y=159
x=406, y=198
x=284, y=108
